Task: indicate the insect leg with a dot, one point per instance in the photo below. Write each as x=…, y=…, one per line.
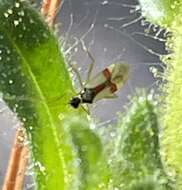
x=75, y=70
x=86, y=109
x=91, y=66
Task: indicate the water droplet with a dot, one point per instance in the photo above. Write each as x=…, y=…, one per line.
x=105, y=2
x=17, y=5
x=30, y=127
x=16, y=22
x=8, y=51
x=10, y=81
x=20, y=19
x=4, y=75
x=31, y=21
x=1, y=58
x=173, y=6
x=20, y=35
x=6, y=15
x=10, y=11
x=112, y=134
x=21, y=13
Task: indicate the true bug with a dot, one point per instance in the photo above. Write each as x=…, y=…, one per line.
x=103, y=85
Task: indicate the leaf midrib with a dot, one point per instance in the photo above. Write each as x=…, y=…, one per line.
x=39, y=93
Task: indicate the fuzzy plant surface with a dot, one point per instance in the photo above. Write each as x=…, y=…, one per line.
x=36, y=86
x=136, y=162
x=65, y=152
x=168, y=14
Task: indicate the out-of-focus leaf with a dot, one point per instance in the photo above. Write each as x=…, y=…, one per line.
x=89, y=159
x=161, y=12
x=171, y=12
x=137, y=156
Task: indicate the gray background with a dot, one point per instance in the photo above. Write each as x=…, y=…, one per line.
x=114, y=31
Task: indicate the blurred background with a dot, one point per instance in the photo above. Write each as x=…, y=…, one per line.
x=113, y=31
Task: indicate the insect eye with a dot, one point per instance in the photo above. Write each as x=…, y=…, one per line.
x=74, y=102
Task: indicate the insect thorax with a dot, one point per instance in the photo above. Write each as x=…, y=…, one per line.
x=87, y=96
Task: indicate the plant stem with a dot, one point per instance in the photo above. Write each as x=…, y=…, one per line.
x=17, y=163
x=49, y=10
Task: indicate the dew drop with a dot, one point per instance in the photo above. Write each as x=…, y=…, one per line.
x=20, y=19
x=112, y=134
x=8, y=51
x=31, y=21
x=0, y=58
x=16, y=105
x=8, y=59
x=20, y=35
x=4, y=75
x=10, y=11
x=10, y=81
x=16, y=22
x=21, y=13
x=6, y=15
x=173, y=6
x=30, y=127
x=105, y=2
x=17, y=5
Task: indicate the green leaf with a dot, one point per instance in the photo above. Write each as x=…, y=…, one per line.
x=171, y=111
x=32, y=74
x=161, y=12
x=89, y=158
x=136, y=162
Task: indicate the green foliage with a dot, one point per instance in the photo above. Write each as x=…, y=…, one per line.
x=172, y=110
x=137, y=163
x=88, y=155
x=161, y=12
x=66, y=153
x=32, y=73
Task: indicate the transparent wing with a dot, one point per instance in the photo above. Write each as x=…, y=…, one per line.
x=119, y=75
x=105, y=94
x=96, y=80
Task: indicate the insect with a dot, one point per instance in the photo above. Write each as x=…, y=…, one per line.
x=103, y=85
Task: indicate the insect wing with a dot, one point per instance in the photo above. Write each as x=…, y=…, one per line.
x=119, y=74
x=115, y=74
x=97, y=80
